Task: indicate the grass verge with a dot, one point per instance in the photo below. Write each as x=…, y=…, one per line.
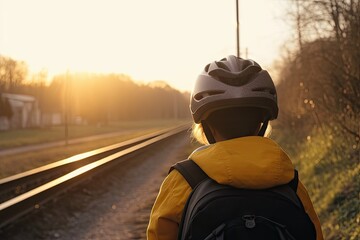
x=17, y=163
x=24, y=137
x=330, y=170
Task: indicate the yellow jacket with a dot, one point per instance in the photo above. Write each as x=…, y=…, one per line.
x=247, y=162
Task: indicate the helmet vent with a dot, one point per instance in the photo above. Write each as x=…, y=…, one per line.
x=207, y=67
x=203, y=95
x=222, y=65
x=267, y=90
x=236, y=82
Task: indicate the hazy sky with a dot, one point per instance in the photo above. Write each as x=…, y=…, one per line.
x=146, y=39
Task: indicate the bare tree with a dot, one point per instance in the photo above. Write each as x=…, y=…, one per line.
x=330, y=30
x=12, y=73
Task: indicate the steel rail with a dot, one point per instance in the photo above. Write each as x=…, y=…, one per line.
x=12, y=209
x=22, y=182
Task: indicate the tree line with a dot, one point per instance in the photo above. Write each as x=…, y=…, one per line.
x=93, y=98
x=319, y=100
x=320, y=83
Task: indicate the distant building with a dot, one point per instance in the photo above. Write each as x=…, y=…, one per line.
x=51, y=119
x=25, y=111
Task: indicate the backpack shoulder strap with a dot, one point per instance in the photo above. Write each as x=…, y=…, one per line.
x=289, y=190
x=190, y=171
x=194, y=174
x=295, y=181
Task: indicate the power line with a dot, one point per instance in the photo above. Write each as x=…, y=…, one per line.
x=237, y=29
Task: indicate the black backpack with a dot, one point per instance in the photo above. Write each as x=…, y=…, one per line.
x=218, y=212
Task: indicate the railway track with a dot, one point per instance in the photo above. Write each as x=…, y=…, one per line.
x=24, y=192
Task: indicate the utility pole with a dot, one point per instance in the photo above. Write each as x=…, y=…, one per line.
x=237, y=29
x=66, y=120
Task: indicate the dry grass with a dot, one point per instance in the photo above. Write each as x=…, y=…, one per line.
x=330, y=170
x=17, y=163
x=23, y=137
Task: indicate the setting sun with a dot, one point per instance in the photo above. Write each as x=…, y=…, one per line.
x=147, y=40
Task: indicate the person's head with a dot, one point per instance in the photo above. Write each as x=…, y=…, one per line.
x=232, y=98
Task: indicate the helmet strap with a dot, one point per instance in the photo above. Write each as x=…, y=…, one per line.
x=263, y=128
x=208, y=133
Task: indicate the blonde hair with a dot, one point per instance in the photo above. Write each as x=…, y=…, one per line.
x=197, y=133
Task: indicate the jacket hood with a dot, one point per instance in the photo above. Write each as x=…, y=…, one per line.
x=248, y=162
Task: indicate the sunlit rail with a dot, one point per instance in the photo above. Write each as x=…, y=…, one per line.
x=23, y=192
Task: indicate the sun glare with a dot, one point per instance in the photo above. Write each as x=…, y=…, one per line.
x=148, y=40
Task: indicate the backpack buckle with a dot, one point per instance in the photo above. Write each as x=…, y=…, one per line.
x=249, y=221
